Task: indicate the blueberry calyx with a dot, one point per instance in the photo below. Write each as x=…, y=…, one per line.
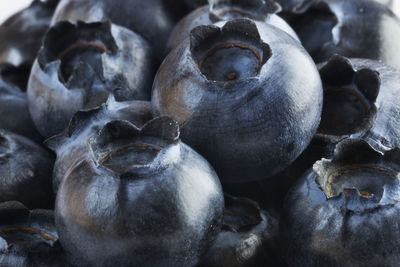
x=358, y=177
x=82, y=49
x=118, y=139
x=350, y=96
x=232, y=53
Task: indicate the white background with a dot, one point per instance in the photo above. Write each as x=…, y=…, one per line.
x=9, y=7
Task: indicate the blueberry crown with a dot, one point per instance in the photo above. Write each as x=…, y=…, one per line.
x=119, y=135
x=359, y=175
x=342, y=81
x=79, y=121
x=339, y=71
x=240, y=214
x=65, y=40
x=16, y=219
x=209, y=46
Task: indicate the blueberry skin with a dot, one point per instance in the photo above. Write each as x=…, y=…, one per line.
x=14, y=113
x=258, y=10
x=151, y=18
x=29, y=25
x=356, y=29
x=162, y=210
x=248, y=129
x=348, y=227
x=249, y=237
x=25, y=171
x=28, y=237
x=64, y=79
x=72, y=142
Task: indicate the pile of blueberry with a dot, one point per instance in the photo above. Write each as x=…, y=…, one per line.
x=227, y=133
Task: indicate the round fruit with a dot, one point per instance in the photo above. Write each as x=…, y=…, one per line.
x=139, y=197
x=14, y=113
x=25, y=171
x=21, y=35
x=28, y=237
x=80, y=65
x=357, y=29
x=248, y=237
x=250, y=106
x=152, y=19
x=345, y=212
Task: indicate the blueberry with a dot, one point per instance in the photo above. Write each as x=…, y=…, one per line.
x=14, y=113
x=249, y=237
x=79, y=65
x=28, y=237
x=22, y=33
x=250, y=106
x=345, y=211
x=152, y=19
x=360, y=100
x=138, y=197
x=25, y=171
x=357, y=29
